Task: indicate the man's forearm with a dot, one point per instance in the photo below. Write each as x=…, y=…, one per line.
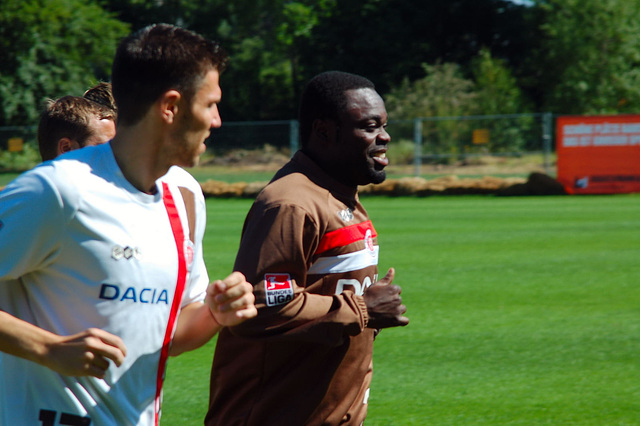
x=22, y=339
x=196, y=326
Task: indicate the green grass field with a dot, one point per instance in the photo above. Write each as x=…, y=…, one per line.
x=524, y=311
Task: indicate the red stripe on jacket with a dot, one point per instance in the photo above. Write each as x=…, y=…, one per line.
x=345, y=236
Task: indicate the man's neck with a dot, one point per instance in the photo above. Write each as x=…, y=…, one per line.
x=328, y=166
x=136, y=150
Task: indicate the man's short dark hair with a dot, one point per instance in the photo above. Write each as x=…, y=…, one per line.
x=156, y=59
x=324, y=98
x=68, y=117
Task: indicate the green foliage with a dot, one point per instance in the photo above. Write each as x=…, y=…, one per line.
x=496, y=89
x=20, y=161
x=259, y=36
x=401, y=151
x=445, y=92
x=298, y=21
x=140, y=13
x=497, y=92
x=589, y=56
x=51, y=48
x=442, y=92
x=566, y=56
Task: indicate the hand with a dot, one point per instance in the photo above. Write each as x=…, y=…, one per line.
x=85, y=354
x=231, y=300
x=384, y=304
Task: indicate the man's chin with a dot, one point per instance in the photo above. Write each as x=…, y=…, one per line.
x=187, y=163
x=377, y=176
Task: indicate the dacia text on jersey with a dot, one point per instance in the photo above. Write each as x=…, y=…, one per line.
x=133, y=295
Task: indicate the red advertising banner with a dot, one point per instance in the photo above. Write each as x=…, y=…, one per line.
x=599, y=154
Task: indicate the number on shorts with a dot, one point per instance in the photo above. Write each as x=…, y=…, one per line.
x=48, y=418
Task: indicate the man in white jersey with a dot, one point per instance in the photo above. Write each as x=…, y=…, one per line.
x=73, y=122
x=101, y=271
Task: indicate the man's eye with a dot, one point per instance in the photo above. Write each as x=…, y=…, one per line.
x=375, y=128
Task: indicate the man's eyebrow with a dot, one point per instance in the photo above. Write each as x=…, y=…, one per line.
x=377, y=118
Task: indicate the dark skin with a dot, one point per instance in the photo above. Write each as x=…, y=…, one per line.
x=384, y=304
x=353, y=151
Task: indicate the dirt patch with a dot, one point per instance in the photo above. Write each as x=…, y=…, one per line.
x=480, y=166
x=450, y=179
x=535, y=184
x=268, y=158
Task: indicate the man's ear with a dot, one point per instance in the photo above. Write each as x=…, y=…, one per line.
x=66, y=145
x=323, y=129
x=168, y=105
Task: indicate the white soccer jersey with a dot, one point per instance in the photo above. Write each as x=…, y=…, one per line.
x=80, y=247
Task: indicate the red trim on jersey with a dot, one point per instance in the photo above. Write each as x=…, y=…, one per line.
x=178, y=235
x=345, y=236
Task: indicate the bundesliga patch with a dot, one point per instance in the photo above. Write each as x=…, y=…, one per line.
x=278, y=289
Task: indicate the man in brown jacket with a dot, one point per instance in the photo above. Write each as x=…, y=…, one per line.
x=311, y=252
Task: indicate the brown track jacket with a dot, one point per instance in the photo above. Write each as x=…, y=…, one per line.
x=310, y=250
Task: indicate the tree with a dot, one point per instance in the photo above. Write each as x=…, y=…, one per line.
x=388, y=40
x=50, y=48
x=262, y=38
x=140, y=13
x=497, y=93
x=589, y=56
x=277, y=45
x=442, y=92
x=496, y=88
x=295, y=32
x=258, y=84
x=266, y=39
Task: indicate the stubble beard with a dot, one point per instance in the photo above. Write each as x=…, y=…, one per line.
x=377, y=176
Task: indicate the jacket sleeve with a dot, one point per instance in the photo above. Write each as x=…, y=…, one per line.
x=279, y=241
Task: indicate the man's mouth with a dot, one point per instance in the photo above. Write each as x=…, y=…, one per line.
x=380, y=157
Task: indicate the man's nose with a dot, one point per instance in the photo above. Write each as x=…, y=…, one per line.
x=216, y=120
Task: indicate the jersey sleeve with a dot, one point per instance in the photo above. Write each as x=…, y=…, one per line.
x=32, y=220
x=198, y=277
x=191, y=204
x=275, y=253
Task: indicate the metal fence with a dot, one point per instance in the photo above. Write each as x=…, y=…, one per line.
x=448, y=139
x=20, y=134
x=430, y=140
x=254, y=135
